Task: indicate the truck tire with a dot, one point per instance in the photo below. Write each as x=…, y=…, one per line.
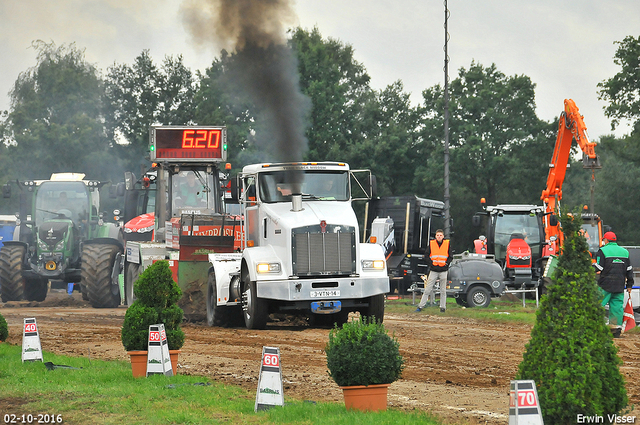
x=375, y=308
x=478, y=296
x=83, y=291
x=97, y=264
x=223, y=316
x=36, y=289
x=11, y=280
x=131, y=276
x=255, y=309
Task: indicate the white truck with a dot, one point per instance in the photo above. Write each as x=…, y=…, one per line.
x=300, y=249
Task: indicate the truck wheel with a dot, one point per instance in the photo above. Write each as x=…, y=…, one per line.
x=97, y=264
x=36, y=289
x=12, y=282
x=130, y=278
x=255, y=309
x=376, y=308
x=478, y=296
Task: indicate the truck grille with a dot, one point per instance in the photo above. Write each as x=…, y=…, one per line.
x=331, y=253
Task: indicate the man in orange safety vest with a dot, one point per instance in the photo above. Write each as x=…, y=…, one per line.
x=438, y=257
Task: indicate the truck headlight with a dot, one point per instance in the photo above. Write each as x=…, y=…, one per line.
x=268, y=267
x=145, y=229
x=373, y=264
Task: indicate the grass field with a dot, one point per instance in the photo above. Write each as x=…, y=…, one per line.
x=105, y=393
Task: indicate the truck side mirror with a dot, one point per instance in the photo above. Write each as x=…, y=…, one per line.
x=553, y=220
x=6, y=191
x=235, y=191
x=373, y=183
x=476, y=221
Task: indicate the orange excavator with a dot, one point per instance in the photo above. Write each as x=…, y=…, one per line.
x=571, y=127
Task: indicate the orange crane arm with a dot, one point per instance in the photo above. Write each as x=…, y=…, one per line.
x=570, y=127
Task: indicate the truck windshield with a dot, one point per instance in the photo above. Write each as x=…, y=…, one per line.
x=62, y=200
x=317, y=185
x=509, y=224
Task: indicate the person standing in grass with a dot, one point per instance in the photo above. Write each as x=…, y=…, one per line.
x=438, y=257
x=614, y=275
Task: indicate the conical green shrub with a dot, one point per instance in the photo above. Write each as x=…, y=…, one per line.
x=571, y=355
x=4, y=329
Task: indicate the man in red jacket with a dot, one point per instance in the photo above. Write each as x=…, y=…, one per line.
x=438, y=257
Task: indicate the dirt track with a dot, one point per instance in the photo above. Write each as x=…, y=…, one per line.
x=457, y=368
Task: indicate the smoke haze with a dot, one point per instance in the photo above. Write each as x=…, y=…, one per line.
x=265, y=68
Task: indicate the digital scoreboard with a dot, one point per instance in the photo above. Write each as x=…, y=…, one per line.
x=190, y=144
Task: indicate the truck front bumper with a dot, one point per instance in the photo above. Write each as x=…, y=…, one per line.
x=322, y=288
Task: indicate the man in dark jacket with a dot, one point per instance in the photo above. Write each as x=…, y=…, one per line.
x=438, y=257
x=614, y=275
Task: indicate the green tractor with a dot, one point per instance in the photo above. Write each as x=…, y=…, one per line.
x=61, y=235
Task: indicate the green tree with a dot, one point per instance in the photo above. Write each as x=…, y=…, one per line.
x=499, y=148
x=216, y=103
x=622, y=91
x=388, y=147
x=56, y=108
x=338, y=87
x=142, y=95
x=571, y=355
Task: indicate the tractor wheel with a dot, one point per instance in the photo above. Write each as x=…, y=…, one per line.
x=478, y=296
x=97, y=265
x=83, y=291
x=376, y=308
x=130, y=278
x=36, y=289
x=12, y=282
x=543, y=286
x=256, y=311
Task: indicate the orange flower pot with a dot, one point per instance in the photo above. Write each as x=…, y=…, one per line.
x=139, y=362
x=362, y=397
x=173, y=355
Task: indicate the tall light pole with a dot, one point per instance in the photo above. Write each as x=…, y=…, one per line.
x=447, y=211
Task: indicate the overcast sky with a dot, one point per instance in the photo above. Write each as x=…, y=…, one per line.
x=565, y=47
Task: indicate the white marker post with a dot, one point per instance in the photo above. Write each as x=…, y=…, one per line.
x=524, y=405
x=31, y=348
x=158, y=360
x=270, y=392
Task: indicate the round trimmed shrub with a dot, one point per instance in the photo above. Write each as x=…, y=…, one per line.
x=363, y=353
x=157, y=294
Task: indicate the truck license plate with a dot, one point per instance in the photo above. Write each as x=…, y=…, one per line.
x=323, y=294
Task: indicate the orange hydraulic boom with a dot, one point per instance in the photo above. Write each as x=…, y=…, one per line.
x=571, y=127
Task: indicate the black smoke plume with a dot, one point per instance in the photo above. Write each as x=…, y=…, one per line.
x=265, y=67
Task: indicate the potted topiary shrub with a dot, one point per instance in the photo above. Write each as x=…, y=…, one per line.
x=4, y=329
x=156, y=297
x=363, y=360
